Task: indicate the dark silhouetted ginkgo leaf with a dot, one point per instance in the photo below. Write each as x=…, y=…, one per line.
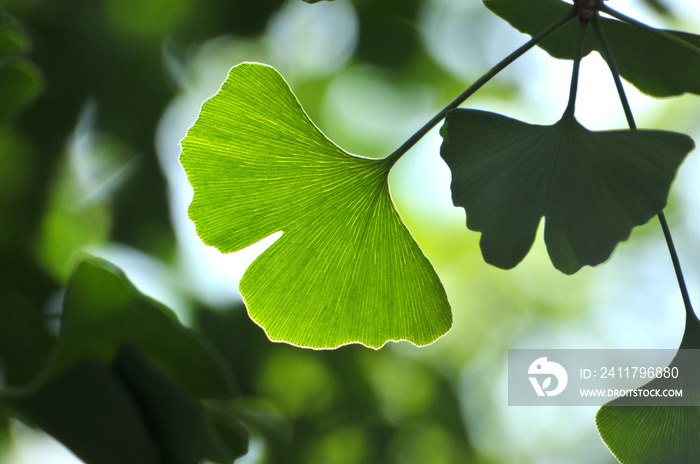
x=652, y=63
x=591, y=187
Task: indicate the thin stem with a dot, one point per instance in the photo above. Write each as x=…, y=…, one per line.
x=659, y=32
x=578, y=54
x=607, y=55
x=610, y=60
x=408, y=144
x=677, y=266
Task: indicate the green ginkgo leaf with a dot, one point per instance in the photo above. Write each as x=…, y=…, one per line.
x=659, y=433
x=591, y=187
x=652, y=63
x=345, y=269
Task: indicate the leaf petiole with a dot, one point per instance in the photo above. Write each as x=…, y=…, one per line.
x=408, y=144
x=689, y=313
x=578, y=54
x=610, y=60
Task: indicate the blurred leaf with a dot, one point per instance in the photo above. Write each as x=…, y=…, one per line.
x=89, y=410
x=653, y=64
x=24, y=342
x=19, y=5
x=316, y=1
x=21, y=82
x=147, y=19
x=16, y=168
x=404, y=388
x=79, y=211
x=298, y=382
x=18, y=178
x=657, y=433
x=230, y=432
x=181, y=427
x=591, y=187
x=239, y=340
x=250, y=19
x=5, y=433
x=346, y=268
x=122, y=383
x=12, y=38
x=341, y=445
x=659, y=6
x=391, y=23
x=427, y=441
x=103, y=310
x=70, y=226
x=351, y=415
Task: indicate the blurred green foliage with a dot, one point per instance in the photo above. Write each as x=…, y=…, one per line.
x=348, y=405
x=83, y=88
x=121, y=382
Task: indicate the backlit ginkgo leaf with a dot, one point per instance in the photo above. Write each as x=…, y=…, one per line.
x=345, y=269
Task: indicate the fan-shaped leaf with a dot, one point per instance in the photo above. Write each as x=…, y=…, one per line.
x=658, y=432
x=652, y=63
x=591, y=187
x=346, y=269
